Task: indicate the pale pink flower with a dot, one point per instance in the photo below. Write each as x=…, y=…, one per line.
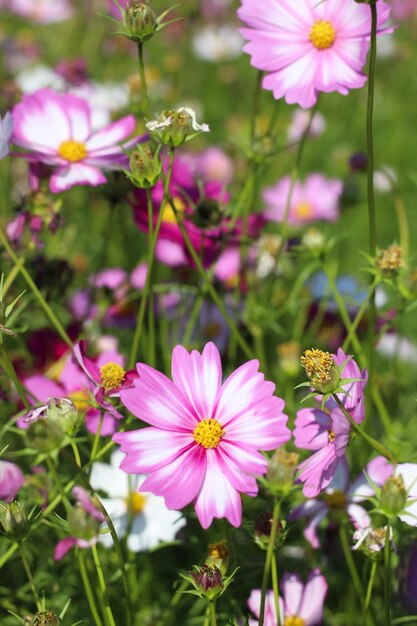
x=11, y=480
x=401, y=9
x=300, y=122
x=56, y=130
x=317, y=198
x=205, y=438
x=305, y=602
x=328, y=433
x=40, y=11
x=306, y=47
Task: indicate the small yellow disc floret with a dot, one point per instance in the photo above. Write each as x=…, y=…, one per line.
x=208, y=433
x=72, y=151
x=136, y=503
x=322, y=34
x=112, y=375
x=294, y=620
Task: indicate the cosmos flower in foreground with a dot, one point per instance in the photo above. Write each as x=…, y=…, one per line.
x=306, y=46
x=327, y=432
x=301, y=605
x=142, y=515
x=317, y=198
x=205, y=438
x=56, y=130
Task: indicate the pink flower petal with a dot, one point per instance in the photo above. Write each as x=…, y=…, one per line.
x=76, y=174
x=315, y=591
x=111, y=134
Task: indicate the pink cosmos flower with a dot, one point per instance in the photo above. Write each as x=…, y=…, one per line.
x=401, y=9
x=341, y=498
x=205, y=438
x=328, y=432
x=11, y=480
x=306, y=47
x=56, y=130
x=317, y=198
x=40, y=11
x=301, y=604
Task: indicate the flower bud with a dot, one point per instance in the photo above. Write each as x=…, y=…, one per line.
x=44, y=435
x=371, y=540
x=140, y=21
x=281, y=471
x=393, y=495
x=46, y=618
x=321, y=370
x=173, y=128
x=60, y=410
x=218, y=556
x=145, y=168
x=208, y=580
x=263, y=529
x=13, y=519
x=390, y=261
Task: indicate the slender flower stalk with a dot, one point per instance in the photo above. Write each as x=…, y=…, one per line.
x=30, y=577
x=213, y=618
x=88, y=590
x=351, y=564
x=143, y=83
x=39, y=297
x=268, y=559
x=387, y=576
x=369, y=591
x=103, y=587
x=9, y=367
x=275, y=587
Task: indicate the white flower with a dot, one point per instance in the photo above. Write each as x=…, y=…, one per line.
x=374, y=538
x=163, y=122
x=6, y=129
x=408, y=471
x=217, y=43
x=151, y=522
x=202, y=128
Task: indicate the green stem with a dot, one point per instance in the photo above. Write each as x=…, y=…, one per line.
x=143, y=83
x=275, y=587
x=379, y=447
x=151, y=315
x=359, y=315
x=12, y=373
x=103, y=588
x=255, y=109
x=8, y=554
x=211, y=290
x=268, y=560
x=213, y=619
x=39, y=297
x=351, y=564
x=369, y=591
x=370, y=174
x=58, y=482
x=88, y=590
x=151, y=255
x=387, y=576
x=30, y=577
x=192, y=320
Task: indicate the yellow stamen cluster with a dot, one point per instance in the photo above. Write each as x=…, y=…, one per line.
x=112, y=375
x=72, y=151
x=294, y=620
x=168, y=213
x=80, y=399
x=336, y=500
x=318, y=365
x=322, y=34
x=218, y=550
x=303, y=210
x=331, y=435
x=136, y=503
x=391, y=259
x=208, y=433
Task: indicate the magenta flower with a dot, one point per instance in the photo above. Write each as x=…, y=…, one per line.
x=205, y=438
x=11, y=480
x=56, y=130
x=317, y=198
x=328, y=432
x=301, y=604
x=341, y=498
x=306, y=46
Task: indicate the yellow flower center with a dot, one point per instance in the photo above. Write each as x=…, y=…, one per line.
x=303, y=210
x=112, y=375
x=218, y=550
x=331, y=435
x=79, y=399
x=293, y=620
x=72, y=151
x=318, y=365
x=168, y=213
x=322, y=34
x=336, y=500
x=136, y=503
x=208, y=433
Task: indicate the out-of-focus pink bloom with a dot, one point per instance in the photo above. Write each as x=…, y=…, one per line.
x=6, y=129
x=40, y=11
x=205, y=438
x=328, y=432
x=84, y=521
x=299, y=124
x=56, y=130
x=317, y=198
x=11, y=480
x=307, y=47
x=305, y=602
x=401, y=9
x=341, y=498
x=198, y=200
x=73, y=71
x=138, y=276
